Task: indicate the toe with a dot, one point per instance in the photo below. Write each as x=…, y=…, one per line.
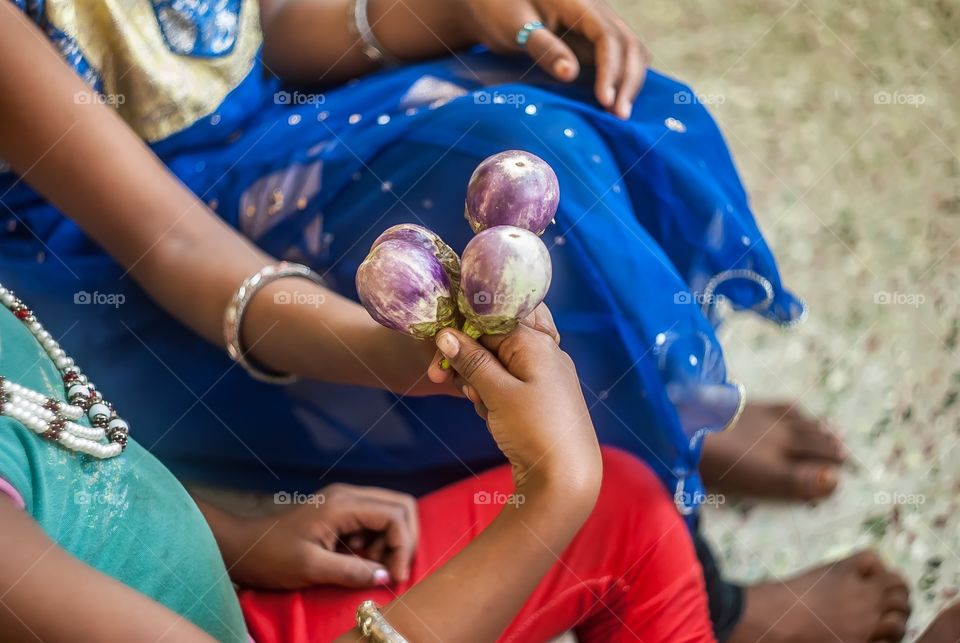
x=813, y=481
x=891, y=627
x=867, y=563
x=812, y=440
x=896, y=597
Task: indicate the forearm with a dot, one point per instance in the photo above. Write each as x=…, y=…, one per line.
x=309, y=41
x=51, y=596
x=84, y=159
x=476, y=595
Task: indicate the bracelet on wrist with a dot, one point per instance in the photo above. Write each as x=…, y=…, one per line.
x=359, y=25
x=374, y=626
x=234, y=314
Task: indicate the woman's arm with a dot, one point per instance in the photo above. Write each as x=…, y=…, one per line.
x=48, y=595
x=84, y=159
x=310, y=41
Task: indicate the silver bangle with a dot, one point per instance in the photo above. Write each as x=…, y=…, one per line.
x=233, y=315
x=374, y=627
x=371, y=47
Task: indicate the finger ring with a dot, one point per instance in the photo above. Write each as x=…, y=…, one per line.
x=528, y=28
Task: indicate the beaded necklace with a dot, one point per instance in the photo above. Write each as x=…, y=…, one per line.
x=56, y=420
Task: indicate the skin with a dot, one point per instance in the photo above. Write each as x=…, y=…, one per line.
x=535, y=411
x=581, y=33
x=855, y=600
x=945, y=627
x=174, y=238
x=774, y=452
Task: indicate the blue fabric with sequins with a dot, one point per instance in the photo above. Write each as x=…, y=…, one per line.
x=653, y=229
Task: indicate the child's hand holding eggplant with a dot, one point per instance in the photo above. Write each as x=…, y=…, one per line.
x=527, y=390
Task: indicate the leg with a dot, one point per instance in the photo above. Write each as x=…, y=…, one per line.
x=642, y=584
x=945, y=627
x=774, y=451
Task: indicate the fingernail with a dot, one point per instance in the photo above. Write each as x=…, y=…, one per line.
x=381, y=576
x=562, y=67
x=626, y=111
x=448, y=344
x=466, y=391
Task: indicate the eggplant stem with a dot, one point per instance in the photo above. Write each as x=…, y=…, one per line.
x=470, y=330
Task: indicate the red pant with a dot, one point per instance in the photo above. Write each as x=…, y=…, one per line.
x=629, y=575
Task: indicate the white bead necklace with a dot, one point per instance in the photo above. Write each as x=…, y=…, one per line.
x=56, y=420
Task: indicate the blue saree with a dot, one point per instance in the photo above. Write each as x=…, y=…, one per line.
x=654, y=228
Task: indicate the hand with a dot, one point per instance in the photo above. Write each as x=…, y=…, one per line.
x=527, y=390
x=540, y=319
x=578, y=32
x=354, y=537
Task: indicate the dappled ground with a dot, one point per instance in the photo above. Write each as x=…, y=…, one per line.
x=843, y=118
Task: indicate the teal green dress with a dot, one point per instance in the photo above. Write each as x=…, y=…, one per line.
x=128, y=517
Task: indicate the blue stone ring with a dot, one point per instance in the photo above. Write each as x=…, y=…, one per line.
x=524, y=34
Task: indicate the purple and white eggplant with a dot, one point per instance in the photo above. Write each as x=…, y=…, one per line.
x=429, y=240
x=505, y=273
x=405, y=287
x=512, y=188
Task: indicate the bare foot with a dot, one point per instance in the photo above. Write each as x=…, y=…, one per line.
x=855, y=600
x=945, y=627
x=773, y=452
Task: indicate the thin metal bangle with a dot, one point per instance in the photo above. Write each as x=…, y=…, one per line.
x=371, y=47
x=233, y=316
x=374, y=626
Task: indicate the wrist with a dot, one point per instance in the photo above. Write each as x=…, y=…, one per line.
x=569, y=486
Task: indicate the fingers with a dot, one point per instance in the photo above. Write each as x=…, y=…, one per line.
x=634, y=73
x=553, y=55
x=541, y=319
x=475, y=364
x=396, y=521
x=525, y=352
x=408, y=504
x=331, y=568
x=439, y=373
x=620, y=57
